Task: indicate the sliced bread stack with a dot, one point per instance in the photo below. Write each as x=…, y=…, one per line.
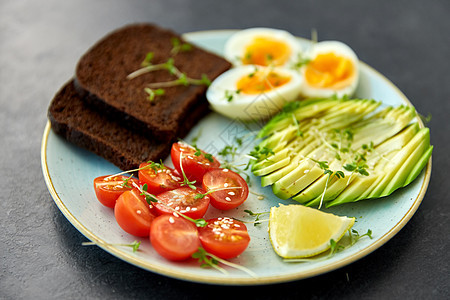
x=111, y=115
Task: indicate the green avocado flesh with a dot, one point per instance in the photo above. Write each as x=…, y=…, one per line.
x=334, y=151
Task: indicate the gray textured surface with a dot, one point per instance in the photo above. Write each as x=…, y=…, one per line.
x=41, y=41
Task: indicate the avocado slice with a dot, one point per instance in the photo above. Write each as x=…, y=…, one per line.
x=381, y=156
x=300, y=177
x=376, y=150
x=298, y=155
x=408, y=164
x=419, y=166
x=394, y=165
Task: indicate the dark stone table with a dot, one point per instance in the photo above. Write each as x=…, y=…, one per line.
x=40, y=42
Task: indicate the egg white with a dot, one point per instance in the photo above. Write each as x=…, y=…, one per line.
x=236, y=45
x=340, y=49
x=248, y=107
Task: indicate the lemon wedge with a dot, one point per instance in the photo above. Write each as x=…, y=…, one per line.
x=297, y=231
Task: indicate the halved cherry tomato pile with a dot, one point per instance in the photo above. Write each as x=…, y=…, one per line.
x=182, y=193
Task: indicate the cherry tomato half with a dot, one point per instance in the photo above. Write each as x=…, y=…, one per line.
x=195, y=162
x=159, y=179
x=189, y=202
x=174, y=238
x=232, y=189
x=109, y=188
x=224, y=237
x=133, y=213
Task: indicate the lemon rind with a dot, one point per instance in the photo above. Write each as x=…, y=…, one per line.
x=347, y=224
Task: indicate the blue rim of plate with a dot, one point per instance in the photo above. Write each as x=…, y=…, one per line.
x=130, y=258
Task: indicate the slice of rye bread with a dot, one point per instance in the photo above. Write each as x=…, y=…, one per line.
x=102, y=75
x=78, y=123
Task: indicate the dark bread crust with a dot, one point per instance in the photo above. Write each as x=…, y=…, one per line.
x=101, y=74
x=78, y=123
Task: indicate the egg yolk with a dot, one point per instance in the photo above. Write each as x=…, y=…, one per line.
x=259, y=82
x=329, y=70
x=266, y=51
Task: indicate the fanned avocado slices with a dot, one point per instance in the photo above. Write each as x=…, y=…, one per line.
x=333, y=151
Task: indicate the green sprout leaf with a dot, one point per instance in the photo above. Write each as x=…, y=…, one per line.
x=148, y=59
x=150, y=198
x=178, y=46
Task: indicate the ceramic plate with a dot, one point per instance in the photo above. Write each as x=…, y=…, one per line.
x=69, y=172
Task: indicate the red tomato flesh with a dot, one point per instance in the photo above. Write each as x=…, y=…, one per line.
x=133, y=213
x=174, y=238
x=159, y=180
x=109, y=188
x=183, y=200
x=195, y=163
x=232, y=188
x=224, y=237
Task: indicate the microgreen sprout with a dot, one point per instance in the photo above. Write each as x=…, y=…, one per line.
x=198, y=222
x=256, y=215
x=355, y=236
x=230, y=157
x=230, y=94
x=425, y=119
x=150, y=198
x=210, y=260
x=152, y=165
x=148, y=67
x=257, y=153
x=125, y=182
x=155, y=166
x=252, y=74
x=230, y=152
x=135, y=245
x=148, y=59
x=300, y=62
x=157, y=88
x=186, y=180
x=297, y=125
x=260, y=196
x=358, y=168
x=199, y=152
x=343, y=146
x=182, y=79
x=152, y=93
x=331, y=174
x=178, y=46
x=201, y=196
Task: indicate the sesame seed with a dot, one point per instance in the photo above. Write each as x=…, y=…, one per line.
x=139, y=212
x=225, y=170
x=171, y=220
x=231, y=193
x=228, y=198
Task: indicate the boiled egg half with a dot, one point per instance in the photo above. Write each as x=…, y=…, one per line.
x=252, y=92
x=262, y=46
x=332, y=70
